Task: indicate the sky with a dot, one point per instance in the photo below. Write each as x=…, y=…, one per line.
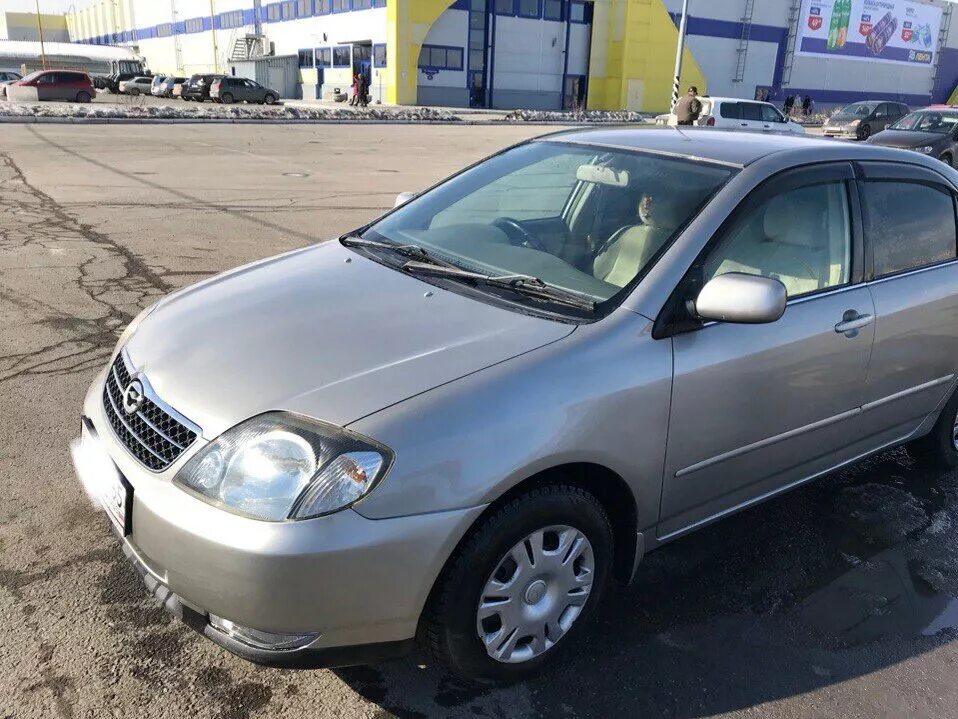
x=50, y=6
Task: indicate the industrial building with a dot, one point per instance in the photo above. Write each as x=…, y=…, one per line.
x=27, y=26
x=547, y=54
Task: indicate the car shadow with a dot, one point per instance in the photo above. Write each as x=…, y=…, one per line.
x=835, y=580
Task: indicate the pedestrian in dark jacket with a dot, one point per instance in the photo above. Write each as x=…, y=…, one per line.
x=363, y=87
x=789, y=104
x=688, y=108
x=806, y=105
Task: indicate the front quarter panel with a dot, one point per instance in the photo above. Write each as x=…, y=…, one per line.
x=599, y=396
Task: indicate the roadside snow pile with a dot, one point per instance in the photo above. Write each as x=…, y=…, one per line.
x=194, y=111
x=590, y=116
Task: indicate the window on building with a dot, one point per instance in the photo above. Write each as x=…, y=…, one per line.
x=231, y=19
x=436, y=57
x=379, y=3
x=304, y=8
x=552, y=9
x=379, y=55
x=324, y=57
x=340, y=5
x=306, y=57
x=324, y=7
x=342, y=56
x=505, y=7
x=908, y=225
x=287, y=11
x=362, y=4
x=194, y=24
x=164, y=30
x=273, y=12
x=580, y=12
x=529, y=8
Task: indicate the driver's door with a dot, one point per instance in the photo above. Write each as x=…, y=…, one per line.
x=756, y=408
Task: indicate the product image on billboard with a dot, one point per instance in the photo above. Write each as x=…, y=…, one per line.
x=897, y=31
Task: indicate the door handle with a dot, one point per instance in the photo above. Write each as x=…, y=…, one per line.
x=852, y=322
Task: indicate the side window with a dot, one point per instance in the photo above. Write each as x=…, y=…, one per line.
x=801, y=237
x=908, y=225
x=751, y=111
x=770, y=114
x=730, y=111
x=882, y=110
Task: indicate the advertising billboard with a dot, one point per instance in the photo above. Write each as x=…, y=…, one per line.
x=893, y=31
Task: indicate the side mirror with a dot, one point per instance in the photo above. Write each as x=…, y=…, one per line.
x=403, y=197
x=740, y=298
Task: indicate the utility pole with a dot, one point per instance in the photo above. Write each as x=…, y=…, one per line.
x=216, y=52
x=683, y=24
x=43, y=51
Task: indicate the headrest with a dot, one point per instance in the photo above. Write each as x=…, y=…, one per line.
x=797, y=218
x=670, y=209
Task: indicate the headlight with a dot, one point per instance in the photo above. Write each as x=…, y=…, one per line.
x=854, y=123
x=926, y=149
x=279, y=466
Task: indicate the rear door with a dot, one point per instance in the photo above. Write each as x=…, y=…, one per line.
x=911, y=247
x=752, y=116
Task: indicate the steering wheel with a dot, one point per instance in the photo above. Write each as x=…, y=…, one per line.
x=517, y=234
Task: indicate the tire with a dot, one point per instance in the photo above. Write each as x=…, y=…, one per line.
x=135, y=91
x=939, y=448
x=947, y=159
x=269, y=98
x=864, y=132
x=83, y=97
x=556, y=518
x=226, y=98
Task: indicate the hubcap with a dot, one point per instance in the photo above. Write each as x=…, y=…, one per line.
x=535, y=594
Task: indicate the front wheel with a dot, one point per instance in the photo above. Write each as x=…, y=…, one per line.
x=947, y=159
x=226, y=98
x=520, y=584
x=135, y=91
x=864, y=132
x=939, y=447
x=269, y=99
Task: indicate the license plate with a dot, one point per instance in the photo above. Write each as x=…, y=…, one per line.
x=103, y=482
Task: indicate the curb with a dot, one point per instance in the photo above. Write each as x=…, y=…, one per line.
x=32, y=119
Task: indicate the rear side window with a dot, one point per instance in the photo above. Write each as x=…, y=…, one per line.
x=751, y=111
x=908, y=225
x=730, y=111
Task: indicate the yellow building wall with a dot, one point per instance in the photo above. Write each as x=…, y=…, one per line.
x=407, y=24
x=23, y=26
x=633, y=57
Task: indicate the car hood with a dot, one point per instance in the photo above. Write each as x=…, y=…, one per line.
x=906, y=138
x=840, y=120
x=323, y=331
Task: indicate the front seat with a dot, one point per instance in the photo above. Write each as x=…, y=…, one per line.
x=631, y=247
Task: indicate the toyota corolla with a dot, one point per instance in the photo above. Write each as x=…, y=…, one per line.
x=457, y=425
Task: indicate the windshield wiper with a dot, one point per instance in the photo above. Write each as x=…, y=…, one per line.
x=523, y=284
x=420, y=253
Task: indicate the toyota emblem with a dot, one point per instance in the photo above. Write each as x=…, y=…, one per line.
x=133, y=397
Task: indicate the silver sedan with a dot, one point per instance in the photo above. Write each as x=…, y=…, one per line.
x=459, y=423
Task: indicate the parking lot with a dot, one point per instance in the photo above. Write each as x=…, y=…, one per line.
x=835, y=600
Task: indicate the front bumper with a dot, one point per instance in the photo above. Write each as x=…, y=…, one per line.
x=358, y=583
x=843, y=132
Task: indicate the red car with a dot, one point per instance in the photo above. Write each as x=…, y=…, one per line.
x=63, y=85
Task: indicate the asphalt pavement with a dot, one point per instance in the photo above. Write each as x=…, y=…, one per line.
x=835, y=600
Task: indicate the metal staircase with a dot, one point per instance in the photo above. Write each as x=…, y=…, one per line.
x=742, y=50
x=794, y=13
x=942, y=43
x=248, y=47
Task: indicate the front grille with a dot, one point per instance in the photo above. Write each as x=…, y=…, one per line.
x=152, y=434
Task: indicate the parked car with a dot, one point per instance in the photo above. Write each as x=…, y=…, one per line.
x=7, y=78
x=734, y=114
x=500, y=395
x=198, y=87
x=62, y=85
x=178, y=87
x=861, y=120
x=112, y=82
x=157, y=84
x=932, y=131
x=168, y=85
x=228, y=90
x=139, y=85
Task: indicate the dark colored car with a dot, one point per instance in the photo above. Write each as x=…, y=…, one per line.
x=228, y=90
x=112, y=82
x=62, y=85
x=198, y=87
x=166, y=87
x=861, y=120
x=932, y=131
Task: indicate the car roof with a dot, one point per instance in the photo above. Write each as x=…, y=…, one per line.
x=727, y=147
x=716, y=98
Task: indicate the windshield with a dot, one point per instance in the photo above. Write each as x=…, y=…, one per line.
x=928, y=121
x=858, y=109
x=584, y=219
x=33, y=75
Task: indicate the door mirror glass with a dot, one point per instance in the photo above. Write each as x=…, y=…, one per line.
x=403, y=197
x=741, y=298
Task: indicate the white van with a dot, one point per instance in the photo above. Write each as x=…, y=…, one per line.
x=729, y=113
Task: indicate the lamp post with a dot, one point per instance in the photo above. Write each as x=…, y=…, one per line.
x=43, y=51
x=683, y=24
x=216, y=52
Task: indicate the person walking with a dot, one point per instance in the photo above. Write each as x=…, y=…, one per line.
x=807, y=106
x=363, y=87
x=789, y=104
x=354, y=100
x=688, y=108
